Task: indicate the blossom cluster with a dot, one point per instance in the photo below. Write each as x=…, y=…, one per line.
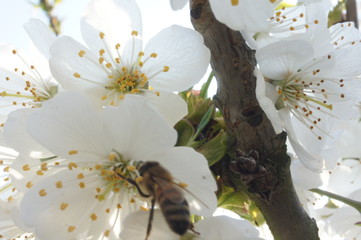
x=308, y=82
x=80, y=121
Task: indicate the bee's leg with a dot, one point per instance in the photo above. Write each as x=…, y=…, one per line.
x=134, y=183
x=191, y=227
x=150, y=221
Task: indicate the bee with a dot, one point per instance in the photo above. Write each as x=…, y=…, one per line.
x=159, y=183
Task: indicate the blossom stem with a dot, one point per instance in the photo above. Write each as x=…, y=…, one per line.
x=348, y=201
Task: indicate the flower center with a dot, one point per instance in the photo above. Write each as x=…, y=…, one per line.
x=305, y=98
x=123, y=75
x=37, y=88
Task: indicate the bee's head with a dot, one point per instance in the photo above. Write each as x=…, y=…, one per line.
x=146, y=166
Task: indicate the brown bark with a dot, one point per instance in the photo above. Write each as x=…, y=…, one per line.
x=351, y=12
x=260, y=165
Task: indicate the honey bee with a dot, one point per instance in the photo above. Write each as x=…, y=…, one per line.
x=159, y=183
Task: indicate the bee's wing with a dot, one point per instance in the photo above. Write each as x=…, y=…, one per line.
x=170, y=190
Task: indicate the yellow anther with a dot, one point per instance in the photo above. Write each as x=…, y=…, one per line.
x=107, y=210
x=108, y=65
x=141, y=54
x=124, y=69
x=107, y=233
x=72, y=165
x=134, y=33
x=117, y=46
x=292, y=28
x=183, y=185
x=39, y=172
x=6, y=169
x=82, y=185
x=132, y=200
x=80, y=176
x=139, y=179
x=73, y=152
x=119, y=205
x=26, y=167
x=81, y=53
x=77, y=75
x=112, y=156
x=71, y=228
x=42, y=193
x=131, y=168
x=157, y=93
x=101, y=60
x=29, y=184
x=59, y=184
x=316, y=21
x=63, y=206
x=117, y=60
x=144, y=208
x=101, y=52
x=234, y=2
x=98, y=166
x=121, y=97
x=101, y=35
x=165, y=69
x=103, y=97
x=44, y=166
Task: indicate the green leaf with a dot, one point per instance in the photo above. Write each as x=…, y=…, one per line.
x=204, y=90
x=204, y=121
x=215, y=149
x=240, y=204
x=335, y=15
x=348, y=201
x=185, y=132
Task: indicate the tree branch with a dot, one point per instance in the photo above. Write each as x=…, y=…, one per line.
x=260, y=165
x=351, y=12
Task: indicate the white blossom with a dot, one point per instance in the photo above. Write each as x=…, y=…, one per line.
x=313, y=88
x=25, y=77
x=78, y=182
x=210, y=228
x=115, y=62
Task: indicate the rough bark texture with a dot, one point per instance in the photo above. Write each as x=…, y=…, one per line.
x=260, y=164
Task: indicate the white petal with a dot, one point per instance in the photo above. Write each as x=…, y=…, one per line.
x=190, y=167
x=45, y=213
x=41, y=35
x=171, y=106
x=115, y=18
x=310, y=161
x=69, y=122
x=182, y=50
x=266, y=104
x=17, y=136
x=66, y=61
x=246, y=15
x=178, y=4
x=226, y=228
x=135, y=227
x=137, y=130
x=283, y=58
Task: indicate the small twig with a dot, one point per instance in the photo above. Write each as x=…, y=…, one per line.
x=54, y=23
